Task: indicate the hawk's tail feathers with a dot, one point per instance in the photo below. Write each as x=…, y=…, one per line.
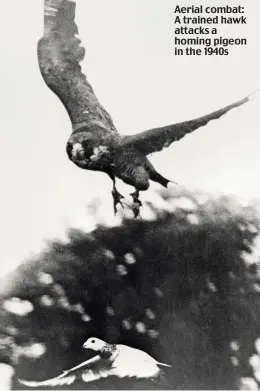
x=156, y=177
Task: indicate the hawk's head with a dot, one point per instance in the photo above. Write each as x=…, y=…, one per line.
x=84, y=149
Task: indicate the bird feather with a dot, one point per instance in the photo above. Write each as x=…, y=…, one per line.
x=154, y=140
x=67, y=377
x=59, y=56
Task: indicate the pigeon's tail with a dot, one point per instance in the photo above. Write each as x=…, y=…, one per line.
x=163, y=365
x=156, y=177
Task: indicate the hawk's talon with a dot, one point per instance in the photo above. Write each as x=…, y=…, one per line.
x=136, y=209
x=137, y=201
x=136, y=204
x=117, y=199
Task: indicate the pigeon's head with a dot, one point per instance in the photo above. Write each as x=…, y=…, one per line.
x=94, y=344
x=84, y=148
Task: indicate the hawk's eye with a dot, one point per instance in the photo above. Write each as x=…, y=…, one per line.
x=69, y=146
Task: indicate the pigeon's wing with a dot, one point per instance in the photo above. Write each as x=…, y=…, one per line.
x=61, y=380
x=59, y=57
x=66, y=378
x=94, y=374
x=155, y=140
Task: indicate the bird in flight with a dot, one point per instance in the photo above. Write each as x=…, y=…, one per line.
x=95, y=144
x=111, y=360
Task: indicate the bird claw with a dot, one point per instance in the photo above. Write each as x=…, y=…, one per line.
x=117, y=199
x=136, y=204
x=136, y=208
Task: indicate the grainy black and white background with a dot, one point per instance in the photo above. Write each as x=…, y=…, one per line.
x=199, y=310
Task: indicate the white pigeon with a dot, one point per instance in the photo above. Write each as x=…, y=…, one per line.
x=120, y=361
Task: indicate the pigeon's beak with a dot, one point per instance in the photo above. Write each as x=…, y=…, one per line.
x=85, y=345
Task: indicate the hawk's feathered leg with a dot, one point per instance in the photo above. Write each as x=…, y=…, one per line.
x=117, y=197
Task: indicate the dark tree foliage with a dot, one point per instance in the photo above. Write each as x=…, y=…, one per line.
x=179, y=286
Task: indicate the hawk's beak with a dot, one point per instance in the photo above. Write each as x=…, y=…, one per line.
x=78, y=152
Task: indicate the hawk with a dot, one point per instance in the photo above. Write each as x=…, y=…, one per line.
x=95, y=144
x=111, y=360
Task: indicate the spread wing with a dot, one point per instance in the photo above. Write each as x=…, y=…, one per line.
x=59, y=57
x=155, y=140
x=67, y=377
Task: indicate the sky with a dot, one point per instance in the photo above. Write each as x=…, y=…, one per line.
x=131, y=65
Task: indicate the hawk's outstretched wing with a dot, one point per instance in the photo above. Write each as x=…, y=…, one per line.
x=59, y=56
x=67, y=377
x=155, y=140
